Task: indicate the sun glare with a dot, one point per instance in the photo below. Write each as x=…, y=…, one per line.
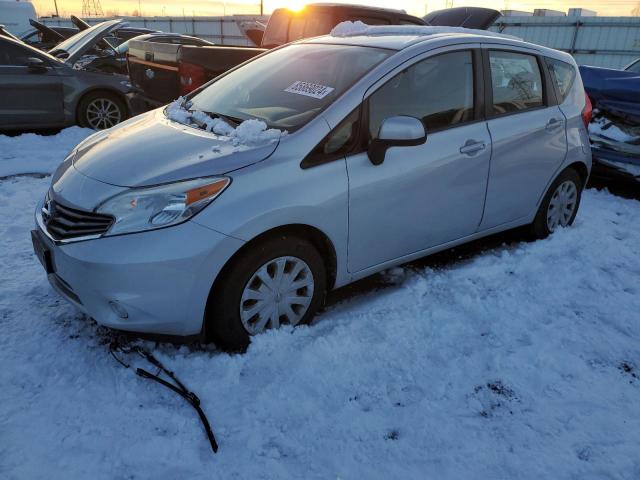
x=295, y=5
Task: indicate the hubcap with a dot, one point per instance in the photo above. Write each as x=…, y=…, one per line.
x=562, y=205
x=279, y=292
x=103, y=113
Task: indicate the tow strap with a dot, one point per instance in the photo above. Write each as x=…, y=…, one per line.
x=178, y=387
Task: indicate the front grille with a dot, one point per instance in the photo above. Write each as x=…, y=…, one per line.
x=64, y=222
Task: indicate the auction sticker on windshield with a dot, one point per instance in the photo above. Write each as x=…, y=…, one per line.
x=308, y=89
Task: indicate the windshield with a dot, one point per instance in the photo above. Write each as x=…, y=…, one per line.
x=290, y=86
x=80, y=40
x=634, y=67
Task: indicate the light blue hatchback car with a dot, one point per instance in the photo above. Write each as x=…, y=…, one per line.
x=236, y=209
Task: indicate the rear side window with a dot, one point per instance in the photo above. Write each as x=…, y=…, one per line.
x=563, y=75
x=516, y=82
x=634, y=67
x=438, y=90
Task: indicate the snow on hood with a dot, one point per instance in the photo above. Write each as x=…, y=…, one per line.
x=358, y=28
x=248, y=134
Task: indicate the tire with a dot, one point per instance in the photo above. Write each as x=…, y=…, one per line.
x=94, y=104
x=569, y=180
x=228, y=319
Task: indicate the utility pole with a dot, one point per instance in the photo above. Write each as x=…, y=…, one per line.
x=261, y=7
x=91, y=8
x=55, y=4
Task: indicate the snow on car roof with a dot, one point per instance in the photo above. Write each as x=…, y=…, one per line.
x=358, y=29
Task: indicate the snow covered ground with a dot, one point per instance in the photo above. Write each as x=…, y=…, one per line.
x=520, y=362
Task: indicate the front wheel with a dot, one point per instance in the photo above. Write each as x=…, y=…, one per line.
x=560, y=205
x=101, y=110
x=281, y=281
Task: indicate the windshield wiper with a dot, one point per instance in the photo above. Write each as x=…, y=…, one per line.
x=233, y=121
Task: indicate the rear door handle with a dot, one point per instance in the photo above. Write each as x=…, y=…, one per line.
x=553, y=124
x=472, y=146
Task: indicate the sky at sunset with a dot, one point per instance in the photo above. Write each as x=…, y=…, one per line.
x=415, y=7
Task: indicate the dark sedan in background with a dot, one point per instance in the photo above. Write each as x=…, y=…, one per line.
x=38, y=90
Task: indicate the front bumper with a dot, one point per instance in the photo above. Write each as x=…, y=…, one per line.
x=161, y=278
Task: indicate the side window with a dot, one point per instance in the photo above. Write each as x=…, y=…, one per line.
x=634, y=67
x=438, y=90
x=516, y=82
x=563, y=75
x=340, y=142
x=11, y=54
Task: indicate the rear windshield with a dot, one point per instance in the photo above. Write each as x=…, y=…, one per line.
x=288, y=87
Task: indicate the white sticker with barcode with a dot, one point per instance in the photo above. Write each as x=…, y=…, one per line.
x=309, y=89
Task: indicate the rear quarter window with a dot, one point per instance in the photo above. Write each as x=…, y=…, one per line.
x=563, y=75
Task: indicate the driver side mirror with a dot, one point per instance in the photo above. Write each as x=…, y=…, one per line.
x=399, y=131
x=36, y=65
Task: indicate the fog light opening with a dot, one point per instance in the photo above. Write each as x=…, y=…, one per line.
x=118, y=309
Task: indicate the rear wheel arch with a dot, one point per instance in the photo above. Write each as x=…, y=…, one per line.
x=581, y=169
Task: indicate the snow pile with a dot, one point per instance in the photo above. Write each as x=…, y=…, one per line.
x=358, y=28
x=34, y=154
x=251, y=132
x=522, y=361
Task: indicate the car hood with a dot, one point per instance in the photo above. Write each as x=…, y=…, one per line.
x=80, y=43
x=151, y=150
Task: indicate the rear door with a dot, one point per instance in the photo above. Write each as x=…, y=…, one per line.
x=527, y=131
x=425, y=195
x=28, y=98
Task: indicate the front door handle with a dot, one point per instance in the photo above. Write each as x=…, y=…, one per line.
x=472, y=146
x=553, y=124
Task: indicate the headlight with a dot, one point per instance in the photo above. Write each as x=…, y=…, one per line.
x=143, y=209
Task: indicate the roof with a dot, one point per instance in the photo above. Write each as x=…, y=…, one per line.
x=355, y=5
x=396, y=37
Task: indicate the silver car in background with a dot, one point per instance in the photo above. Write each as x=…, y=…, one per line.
x=206, y=218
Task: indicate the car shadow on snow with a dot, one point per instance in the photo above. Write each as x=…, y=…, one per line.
x=445, y=259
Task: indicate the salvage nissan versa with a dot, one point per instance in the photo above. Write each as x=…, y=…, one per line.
x=236, y=209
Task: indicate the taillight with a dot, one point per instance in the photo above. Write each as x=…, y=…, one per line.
x=191, y=77
x=587, y=110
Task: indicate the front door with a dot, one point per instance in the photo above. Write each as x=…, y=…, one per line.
x=28, y=97
x=426, y=195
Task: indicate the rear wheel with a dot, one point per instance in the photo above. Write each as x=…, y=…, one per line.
x=560, y=205
x=101, y=110
x=281, y=281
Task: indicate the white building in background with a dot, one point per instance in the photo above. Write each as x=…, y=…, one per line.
x=15, y=15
